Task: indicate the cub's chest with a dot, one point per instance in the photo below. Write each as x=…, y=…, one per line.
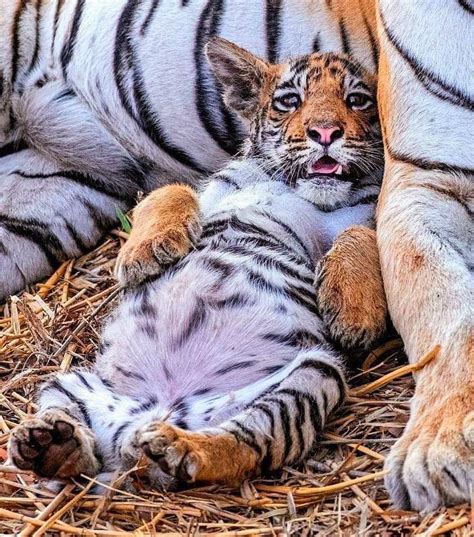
x=258, y=196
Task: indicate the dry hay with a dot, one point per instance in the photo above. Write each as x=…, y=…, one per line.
x=56, y=326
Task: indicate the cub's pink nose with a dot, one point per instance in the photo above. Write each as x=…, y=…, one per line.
x=325, y=135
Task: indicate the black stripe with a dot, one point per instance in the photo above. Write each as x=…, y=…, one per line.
x=118, y=433
x=465, y=4
x=101, y=222
x=298, y=338
x=38, y=233
x=316, y=43
x=144, y=407
x=426, y=164
x=267, y=461
x=233, y=301
x=223, y=178
x=84, y=381
x=235, y=367
x=299, y=417
x=346, y=48
x=293, y=235
x=127, y=74
x=68, y=49
x=55, y=384
x=245, y=435
x=130, y=374
x=16, y=40
x=225, y=269
x=12, y=147
x=196, y=320
x=34, y=59
x=373, y=43
x=285, y=425
x=81, y=245
x=327, y=371
x=431, y=81
x=57, y=14
x=219, y=122
x=272, y=18
x=149, y=17
x=85, y=180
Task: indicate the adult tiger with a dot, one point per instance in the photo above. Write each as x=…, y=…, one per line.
x=113, y=97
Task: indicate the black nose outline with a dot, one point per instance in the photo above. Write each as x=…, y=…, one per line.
x=313, y=134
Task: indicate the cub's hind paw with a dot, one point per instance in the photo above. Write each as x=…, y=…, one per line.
x=194, y=456
x=171, y=450
x=53, y=445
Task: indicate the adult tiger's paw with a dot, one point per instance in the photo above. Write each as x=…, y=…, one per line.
x=349, y=290
x=432, y=464
x=166, y=227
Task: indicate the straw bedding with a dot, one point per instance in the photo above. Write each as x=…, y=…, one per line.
x=55, y=326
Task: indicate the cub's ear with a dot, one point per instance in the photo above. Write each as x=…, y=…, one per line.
x=242, y=75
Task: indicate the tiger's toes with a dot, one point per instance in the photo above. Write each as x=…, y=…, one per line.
x=52, y=446
x=169, y=447
x=149, y=251
x=432, y=464
x=193, y=456
x=349, y=290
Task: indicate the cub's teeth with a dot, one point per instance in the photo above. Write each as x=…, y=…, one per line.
x=339, y=170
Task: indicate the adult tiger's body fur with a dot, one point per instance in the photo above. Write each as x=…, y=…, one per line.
x=115, y=97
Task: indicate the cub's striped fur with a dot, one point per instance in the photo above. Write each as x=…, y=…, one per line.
x=102, y=99
x=222, y=367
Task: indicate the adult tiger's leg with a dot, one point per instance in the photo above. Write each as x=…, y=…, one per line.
x=278, y=428
x=349, y=290
x=166, y=225
x=47, y=215
x=425, y=235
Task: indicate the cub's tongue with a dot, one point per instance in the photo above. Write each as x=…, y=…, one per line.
x=326, y=166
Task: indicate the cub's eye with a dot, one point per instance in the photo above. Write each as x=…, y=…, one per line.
x=359, y=101
x=284, y=103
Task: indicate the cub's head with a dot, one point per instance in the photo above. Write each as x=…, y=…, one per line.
x=313, y=119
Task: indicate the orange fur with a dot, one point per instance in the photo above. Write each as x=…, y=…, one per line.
x=198, y=457
x=350, y=290
x=163, y=226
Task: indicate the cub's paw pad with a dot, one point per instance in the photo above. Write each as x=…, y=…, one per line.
x=43, y=445
x=168, y=447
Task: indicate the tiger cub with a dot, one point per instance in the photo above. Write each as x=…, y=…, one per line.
x=220, y=366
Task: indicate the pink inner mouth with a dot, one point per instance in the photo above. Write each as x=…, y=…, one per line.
x=326, y=166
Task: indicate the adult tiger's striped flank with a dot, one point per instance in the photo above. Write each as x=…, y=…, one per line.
x=101, y=100
x=221, y=366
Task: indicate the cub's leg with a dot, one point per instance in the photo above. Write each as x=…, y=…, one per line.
x=81, y=427
x=276, y=429
x=349, y=290
x=166, y=225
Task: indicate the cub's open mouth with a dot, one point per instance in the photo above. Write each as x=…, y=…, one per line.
x=325, y=166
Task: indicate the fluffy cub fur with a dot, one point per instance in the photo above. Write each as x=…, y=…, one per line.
x=221, y=367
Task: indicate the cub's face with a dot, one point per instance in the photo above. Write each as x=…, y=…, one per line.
x=312, y=120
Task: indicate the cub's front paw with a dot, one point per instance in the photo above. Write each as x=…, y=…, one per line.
x=151, y=249
x=349, y=290
x=432, y=464
x=53, y=445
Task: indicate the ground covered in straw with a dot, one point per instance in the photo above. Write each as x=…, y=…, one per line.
x=56, y=326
